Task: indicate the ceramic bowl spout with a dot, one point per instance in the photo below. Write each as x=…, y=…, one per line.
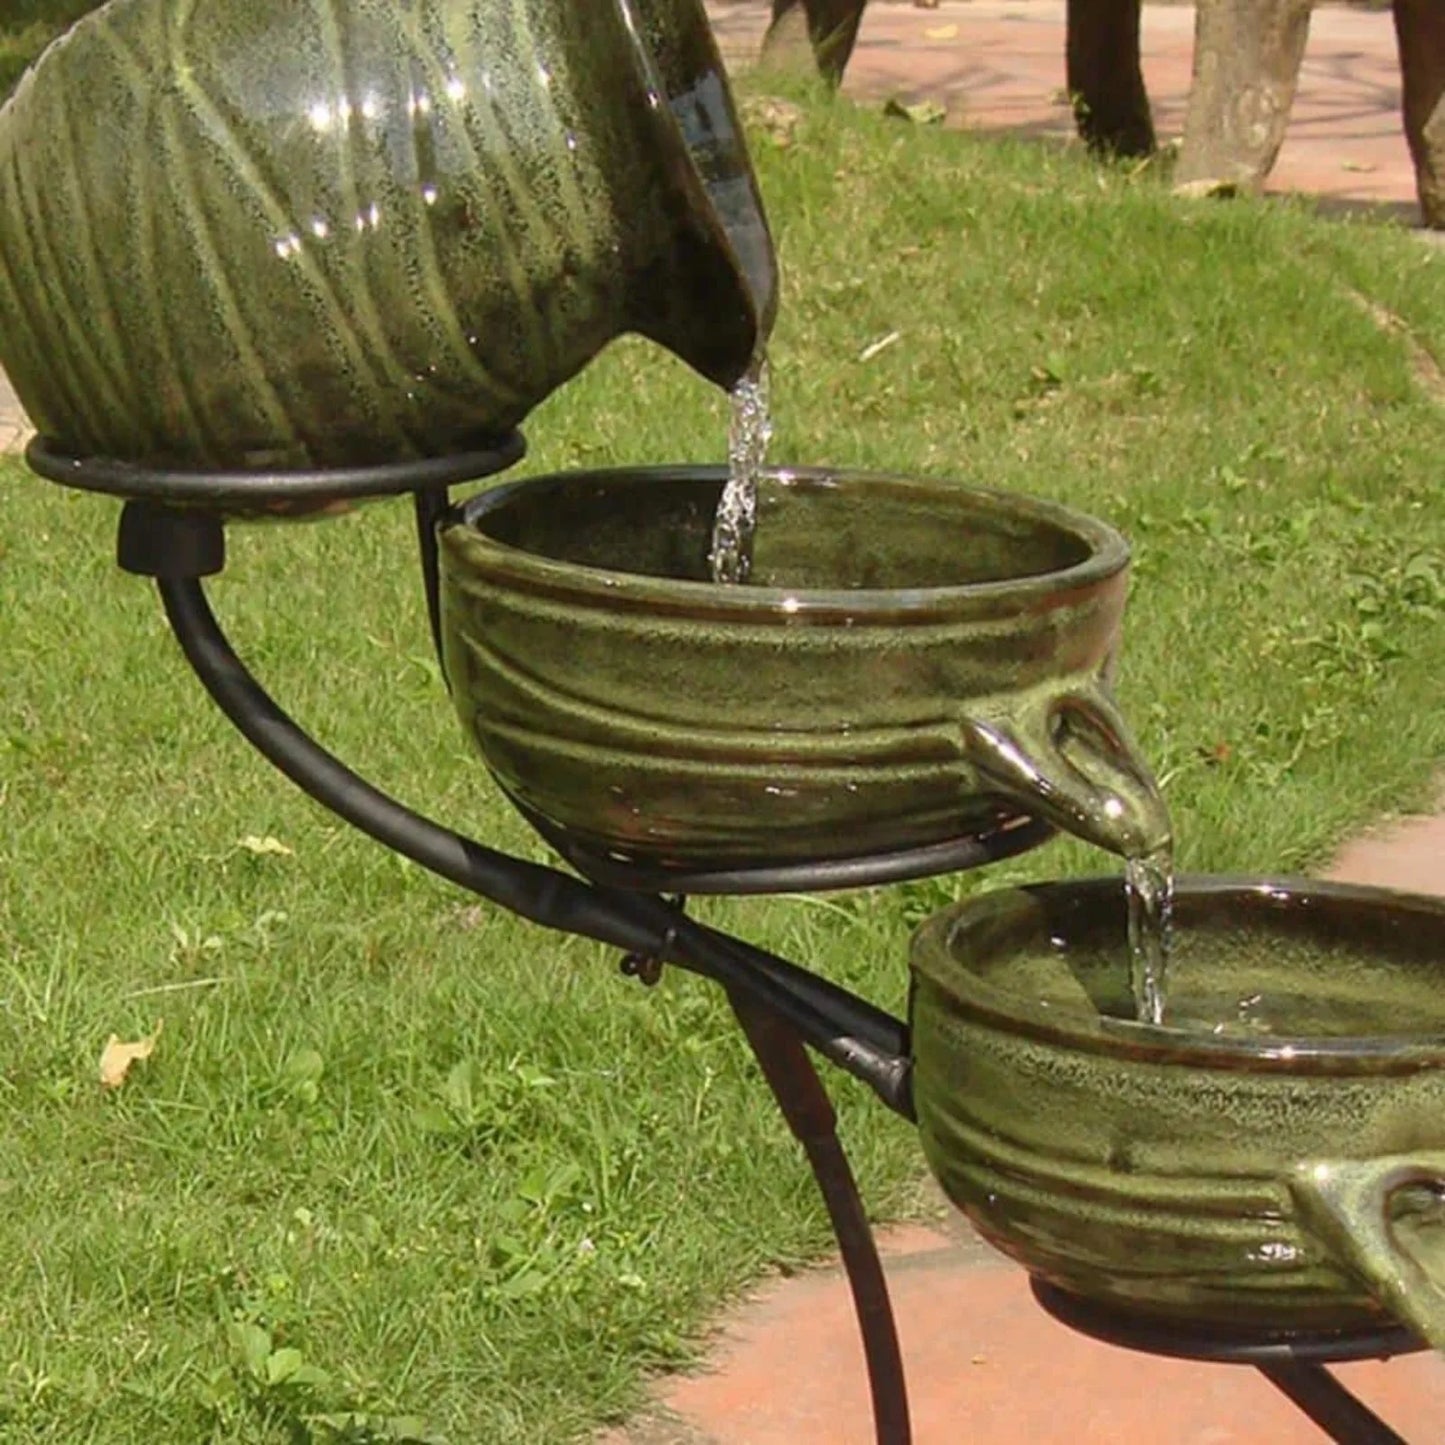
x=1070, y=759
x=308, y=234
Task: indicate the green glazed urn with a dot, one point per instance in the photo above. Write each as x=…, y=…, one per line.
x=306, y=234
x=1271, y=1159
x=910, y=662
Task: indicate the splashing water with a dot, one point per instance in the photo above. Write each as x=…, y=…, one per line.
x=1149, y=885
x=749, y=432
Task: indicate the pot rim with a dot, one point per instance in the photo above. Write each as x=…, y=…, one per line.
x=468, y=549
x=1125, y=1039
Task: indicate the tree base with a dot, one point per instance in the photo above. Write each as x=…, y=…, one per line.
x=1247, y=56
x=1111, y=105
x=1420, y=26
x=812, y=37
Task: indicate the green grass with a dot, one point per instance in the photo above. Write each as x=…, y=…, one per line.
x=28, y=27
x=399, y=1156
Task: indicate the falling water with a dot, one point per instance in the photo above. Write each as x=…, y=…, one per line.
x=1149, y=884
x=750, y=430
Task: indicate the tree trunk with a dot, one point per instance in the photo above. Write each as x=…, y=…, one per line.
x=1420, y=26
x=1111, y=106
x=808, y=35
x=1247, y=56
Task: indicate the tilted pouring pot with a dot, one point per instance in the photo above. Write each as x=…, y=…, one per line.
x=302, y=234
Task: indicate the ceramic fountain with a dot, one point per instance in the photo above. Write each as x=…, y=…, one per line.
x=288, y=254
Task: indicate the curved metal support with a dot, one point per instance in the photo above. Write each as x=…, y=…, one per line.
x=1344, y=1418
x=1012, y=836
x=261, y=494
x=1221, y=1344
x=805, y=1104
x=850, y=1032
x=779, y=1005
x=1293, y=1361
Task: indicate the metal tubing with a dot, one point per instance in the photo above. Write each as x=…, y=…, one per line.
x=853, y=1015
x=635, y=923
x=431, y=507
x=1337, y=1412
x=805, y=1104
x=1215, y=1343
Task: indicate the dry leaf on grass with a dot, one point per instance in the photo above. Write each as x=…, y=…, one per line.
x=1207, y=188
x=117, y=1057
x=926, y=112
x=881, y=345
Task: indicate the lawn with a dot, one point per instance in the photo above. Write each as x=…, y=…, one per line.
x=405, y=1168
x=28, y=27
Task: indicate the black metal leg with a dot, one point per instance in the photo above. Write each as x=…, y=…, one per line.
x=805, y=1104
x=1332, y=1407
x=431, y=507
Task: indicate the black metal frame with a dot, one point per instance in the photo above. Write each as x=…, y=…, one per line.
x=1011, y=837
x=780, y=1006
x=172, y=530
x=259, y=493
x=1293, y=1361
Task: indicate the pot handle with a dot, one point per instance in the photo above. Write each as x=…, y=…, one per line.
x=1070, y=759
x=1346, y=1205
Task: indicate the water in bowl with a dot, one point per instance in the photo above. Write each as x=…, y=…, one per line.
x=1246, y=982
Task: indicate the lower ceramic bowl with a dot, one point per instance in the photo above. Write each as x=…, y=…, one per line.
x=910, y=662
x=1273, y=1157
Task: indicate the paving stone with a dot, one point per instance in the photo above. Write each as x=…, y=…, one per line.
x=15, y=429
x=998, y=65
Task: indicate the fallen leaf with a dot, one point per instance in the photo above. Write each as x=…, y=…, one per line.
x=926, y=112
x=777, y=119
x=882, y=344
x=266, y=847
x=1204, y=189
x=1358, y=166
x=942, y=32
x=116, y=1057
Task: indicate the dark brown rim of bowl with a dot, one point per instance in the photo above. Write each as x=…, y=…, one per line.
x=1146, y=1043
x=1107, y=559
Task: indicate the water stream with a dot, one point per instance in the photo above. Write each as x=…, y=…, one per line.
x=749, y=432
x=1149, y=878
x=1149, y=886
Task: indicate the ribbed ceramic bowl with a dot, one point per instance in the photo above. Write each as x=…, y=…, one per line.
x=1274, y=1157
x=908, y=659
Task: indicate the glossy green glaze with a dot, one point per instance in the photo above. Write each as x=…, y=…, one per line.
x=1274, y=1157
x=909, y=661
x=288, y=234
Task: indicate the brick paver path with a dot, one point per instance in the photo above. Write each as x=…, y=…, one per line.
x=999, y=65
